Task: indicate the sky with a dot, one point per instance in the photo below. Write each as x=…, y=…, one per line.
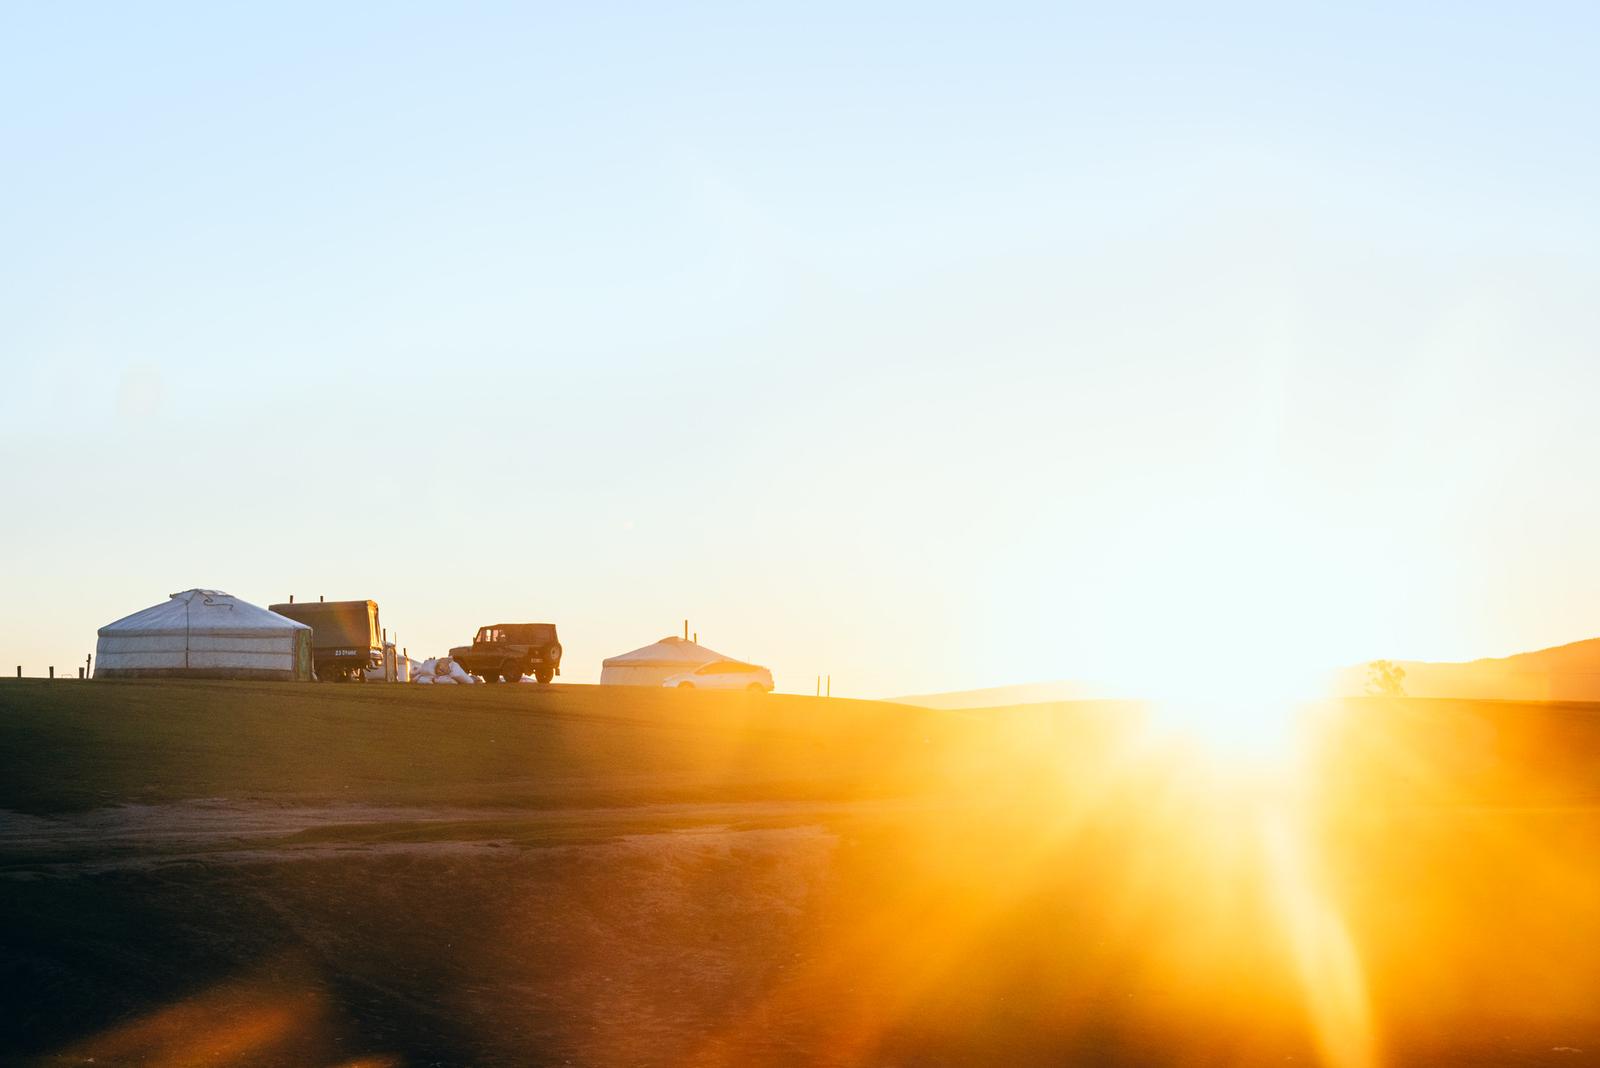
x=923, y=346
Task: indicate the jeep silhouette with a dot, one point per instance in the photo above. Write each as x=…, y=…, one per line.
x=512, y=650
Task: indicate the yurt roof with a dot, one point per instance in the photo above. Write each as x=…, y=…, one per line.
x=209, y=611
x=668, y=652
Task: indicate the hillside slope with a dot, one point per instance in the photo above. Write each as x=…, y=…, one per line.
x=234, y=873
x=567, y=746
x=1564, y=673
x=1005, y=696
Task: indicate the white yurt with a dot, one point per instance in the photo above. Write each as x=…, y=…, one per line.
x=651, y=665
x=205, y=634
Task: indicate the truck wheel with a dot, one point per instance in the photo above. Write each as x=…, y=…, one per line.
x=544, y=675
x=756, y=687
x=512, y=672
x=685, y=685
x=491, y=675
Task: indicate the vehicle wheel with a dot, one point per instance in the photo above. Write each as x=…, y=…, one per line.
x=491, y=675
x=756, y=687
x=544, y=675
x=685, y=685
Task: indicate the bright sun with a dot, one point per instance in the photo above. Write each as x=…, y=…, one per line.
x=1256, y=731
x=1235, y=707
x=1227, y=633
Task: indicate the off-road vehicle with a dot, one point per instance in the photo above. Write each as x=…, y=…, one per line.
x=512, y=650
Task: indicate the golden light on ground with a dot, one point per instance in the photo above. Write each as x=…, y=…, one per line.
x=1325, y=958
x=1234, y=769
x=242, y=1021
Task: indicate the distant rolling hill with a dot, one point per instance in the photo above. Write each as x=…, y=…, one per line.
x=1564, y=673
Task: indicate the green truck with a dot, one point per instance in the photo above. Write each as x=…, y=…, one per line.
x=345, y=637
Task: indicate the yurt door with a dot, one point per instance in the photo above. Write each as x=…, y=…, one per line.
x=302, y=654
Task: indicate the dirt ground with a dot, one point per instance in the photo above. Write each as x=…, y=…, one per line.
x=212, y=874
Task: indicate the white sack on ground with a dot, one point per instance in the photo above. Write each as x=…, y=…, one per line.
x=441, y=669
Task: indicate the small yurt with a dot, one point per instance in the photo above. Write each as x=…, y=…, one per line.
x=204, y=634
x=653, y=664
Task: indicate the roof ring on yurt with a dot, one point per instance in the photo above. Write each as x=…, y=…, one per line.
x=205, y=634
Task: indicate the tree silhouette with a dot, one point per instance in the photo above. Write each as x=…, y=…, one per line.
x=1385, y=678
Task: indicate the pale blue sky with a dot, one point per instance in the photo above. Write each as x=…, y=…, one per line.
x=930, y=346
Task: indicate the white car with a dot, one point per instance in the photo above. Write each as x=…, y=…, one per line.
x=723, y=675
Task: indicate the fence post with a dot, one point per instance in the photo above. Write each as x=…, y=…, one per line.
x=80, y=673
x=52, y=671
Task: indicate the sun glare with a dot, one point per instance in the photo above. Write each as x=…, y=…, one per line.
x=1230, y=628
x=1257, y=732
x=1250, y=717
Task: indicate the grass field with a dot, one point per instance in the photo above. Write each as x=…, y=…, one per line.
x=221, y=873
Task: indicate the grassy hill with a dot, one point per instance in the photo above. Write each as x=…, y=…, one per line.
x=227, y=873
x=1006, y=696
x=520, y=746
